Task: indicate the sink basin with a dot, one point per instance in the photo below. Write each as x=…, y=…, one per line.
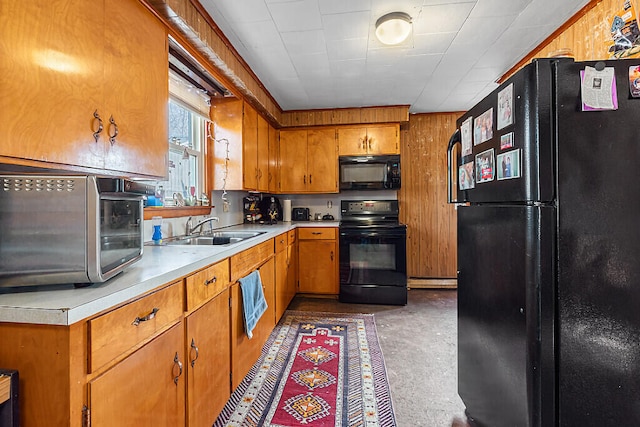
x=216, y=238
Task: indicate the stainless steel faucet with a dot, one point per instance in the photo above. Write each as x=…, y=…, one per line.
x=190, y=229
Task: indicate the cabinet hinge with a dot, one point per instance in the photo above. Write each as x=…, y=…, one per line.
x=86, y=416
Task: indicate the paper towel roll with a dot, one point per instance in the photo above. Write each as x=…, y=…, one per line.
x=286, y=210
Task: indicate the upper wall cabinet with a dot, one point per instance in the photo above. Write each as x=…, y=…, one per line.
x=255, y=150
x=308, y=161
x=85, y=84
x=355, y=141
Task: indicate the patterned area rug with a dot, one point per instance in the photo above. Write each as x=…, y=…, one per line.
x=316, y=369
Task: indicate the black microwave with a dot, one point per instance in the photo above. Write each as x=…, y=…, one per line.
x=369, y=172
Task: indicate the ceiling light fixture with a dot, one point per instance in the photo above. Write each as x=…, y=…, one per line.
x=393, y=28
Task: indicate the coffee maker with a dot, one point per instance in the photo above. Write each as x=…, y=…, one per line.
x=271, y=210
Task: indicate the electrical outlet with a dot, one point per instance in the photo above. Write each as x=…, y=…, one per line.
x=329, y=204
x=225, y=206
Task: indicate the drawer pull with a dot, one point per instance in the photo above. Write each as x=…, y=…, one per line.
x=214, y=279
x=194, y=347
x=149, y=316
x=316, y=232
x=178, y=363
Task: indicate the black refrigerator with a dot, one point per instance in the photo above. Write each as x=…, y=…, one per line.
x=545, y=172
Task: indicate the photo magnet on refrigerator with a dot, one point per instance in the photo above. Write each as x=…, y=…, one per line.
x=634, y=81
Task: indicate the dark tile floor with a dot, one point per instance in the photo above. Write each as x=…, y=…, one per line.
x=419, y=346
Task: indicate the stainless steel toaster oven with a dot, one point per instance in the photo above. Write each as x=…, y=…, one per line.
x=68, y=229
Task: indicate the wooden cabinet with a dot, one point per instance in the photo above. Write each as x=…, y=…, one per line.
x=207, y=344
x=286, y=268
x=308, y=161
x=208, y=361
x=120, y=330
x=85, y=57
x=244, y=351
x=241, y=147
x=382, y=139
x=146, y=388
x=274, y=161
x=318, y=260
x=255, y=150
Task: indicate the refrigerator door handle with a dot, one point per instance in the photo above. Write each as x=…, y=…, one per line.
x=455, y=139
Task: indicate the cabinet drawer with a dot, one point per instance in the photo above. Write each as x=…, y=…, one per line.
x=292, y=236
x=281, y=242
x=318, y=233
x=207, y=283
x=119, y=330
x=247, y=261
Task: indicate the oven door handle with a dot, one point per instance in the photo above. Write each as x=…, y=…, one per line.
x=372, y=234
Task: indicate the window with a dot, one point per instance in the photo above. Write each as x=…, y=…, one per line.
x=188, y=112
x=187, y=139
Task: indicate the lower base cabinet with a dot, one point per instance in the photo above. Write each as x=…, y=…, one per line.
x=208, y=362
x=244, y=351
x=146, y=388
x=318, y=260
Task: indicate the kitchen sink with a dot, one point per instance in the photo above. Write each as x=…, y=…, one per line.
x=215, y=238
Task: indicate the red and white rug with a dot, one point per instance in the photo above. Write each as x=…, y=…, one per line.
x=316, y=370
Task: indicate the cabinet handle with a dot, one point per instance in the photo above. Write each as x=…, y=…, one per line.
x=331, y=255
x=316, y=233
x=149, y=316
x=210, y=281
x=178, y=363
x=194, y=347
x=112, y=138
x=310, y=178
x=305, y=179
x=96, y=134
x=369, y=142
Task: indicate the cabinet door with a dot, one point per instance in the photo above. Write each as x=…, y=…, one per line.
x=249, y=148
x=51, y=67
x=274, y=165
x=292, y=275
x=208, y=361
x=293, y=161
x=383, y=139
x=263, y=155
x=352, y=141
x=322, y=161
x=147, y=388
x=137, y=89
x=244, y=351
x=282, y=275
x=318, y=266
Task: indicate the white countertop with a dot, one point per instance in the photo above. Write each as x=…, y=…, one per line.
x=65, y=305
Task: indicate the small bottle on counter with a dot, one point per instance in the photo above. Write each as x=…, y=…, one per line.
x=157, y=230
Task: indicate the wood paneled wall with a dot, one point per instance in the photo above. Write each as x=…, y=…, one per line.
x=431, y=222
x=344, y=116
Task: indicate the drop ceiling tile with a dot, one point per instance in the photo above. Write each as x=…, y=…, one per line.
x=347, y=49
x=241, y=11
x=441, y=18
x=258, y=35
x=312, y=66
x=347, y=68
x=432, y=43
x=300, y=15
x=341, y=6
x=487, y=8
x=350, y=25
x=304, y=42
